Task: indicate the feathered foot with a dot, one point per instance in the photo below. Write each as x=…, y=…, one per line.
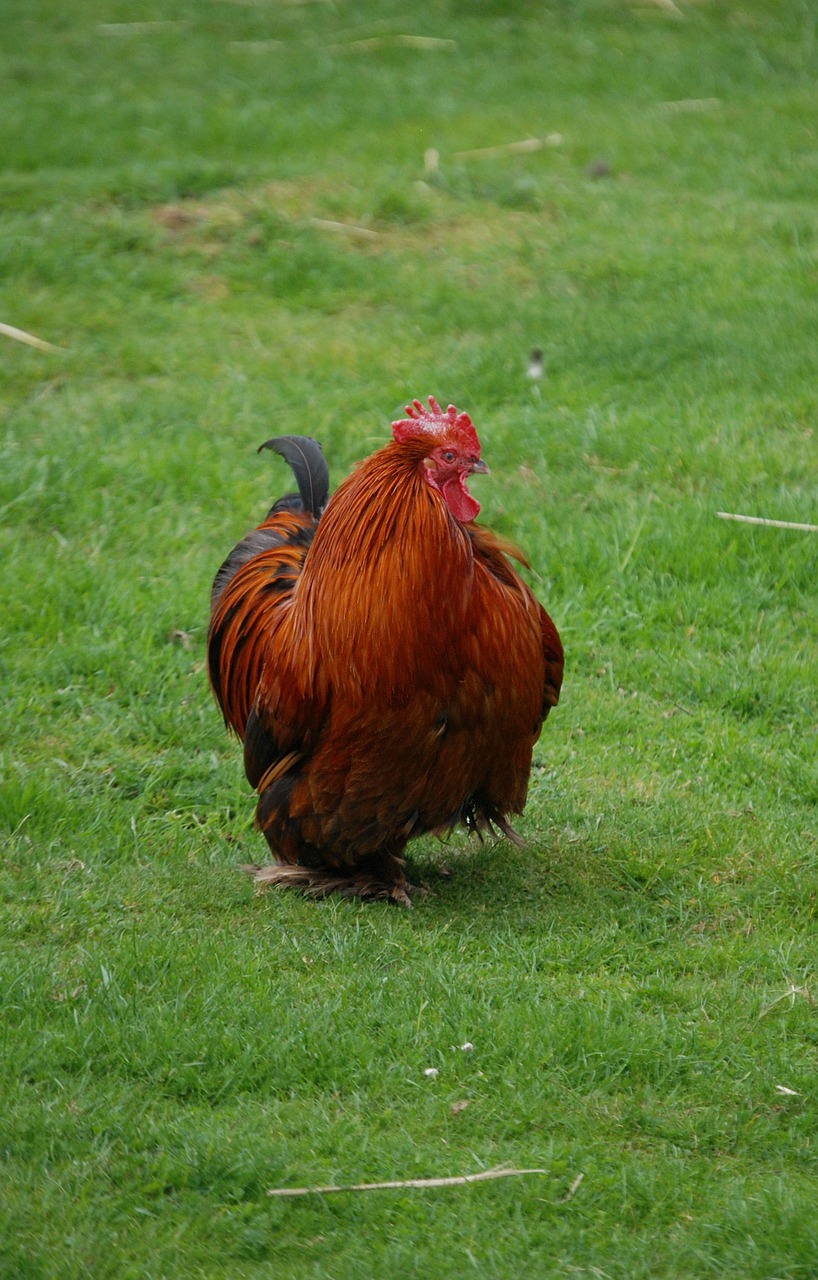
x=496, y=825
x=318, y=883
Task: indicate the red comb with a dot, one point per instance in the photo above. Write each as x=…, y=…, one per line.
x=436, y=423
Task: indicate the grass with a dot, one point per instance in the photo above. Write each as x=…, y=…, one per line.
x=639, y=981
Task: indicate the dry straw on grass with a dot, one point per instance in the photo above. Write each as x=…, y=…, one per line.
x=20, y=335
x=413, y=1183
x=773, y=524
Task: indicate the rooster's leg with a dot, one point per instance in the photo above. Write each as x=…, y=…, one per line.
x=319, y=882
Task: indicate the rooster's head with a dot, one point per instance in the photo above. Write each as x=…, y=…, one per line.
x=448, y=450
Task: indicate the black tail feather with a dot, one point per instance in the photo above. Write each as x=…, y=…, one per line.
x=309, y=466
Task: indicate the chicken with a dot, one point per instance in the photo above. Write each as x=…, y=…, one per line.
x=387, y=668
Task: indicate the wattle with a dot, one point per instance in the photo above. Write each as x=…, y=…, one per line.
x=460, y=502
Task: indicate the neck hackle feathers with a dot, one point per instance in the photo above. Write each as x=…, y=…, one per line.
x=436, y=426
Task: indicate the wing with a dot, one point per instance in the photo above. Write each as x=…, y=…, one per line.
x=554, y=662
x=494, y=552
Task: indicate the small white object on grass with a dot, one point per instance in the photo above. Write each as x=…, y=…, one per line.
x=789, y=1093
x=467, y=1047
x=536, y=365
x=431, y=1073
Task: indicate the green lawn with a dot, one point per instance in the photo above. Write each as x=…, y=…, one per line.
x=639, y=982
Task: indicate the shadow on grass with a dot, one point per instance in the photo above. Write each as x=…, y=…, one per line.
x=500, y=882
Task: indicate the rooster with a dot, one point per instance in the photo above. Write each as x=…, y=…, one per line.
x=384, y=664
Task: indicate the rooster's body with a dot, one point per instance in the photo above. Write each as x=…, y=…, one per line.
x=386, y=666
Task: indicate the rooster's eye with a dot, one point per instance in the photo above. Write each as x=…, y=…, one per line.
x=448, y=456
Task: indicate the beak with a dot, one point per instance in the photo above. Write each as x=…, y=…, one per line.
x=479, y=468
